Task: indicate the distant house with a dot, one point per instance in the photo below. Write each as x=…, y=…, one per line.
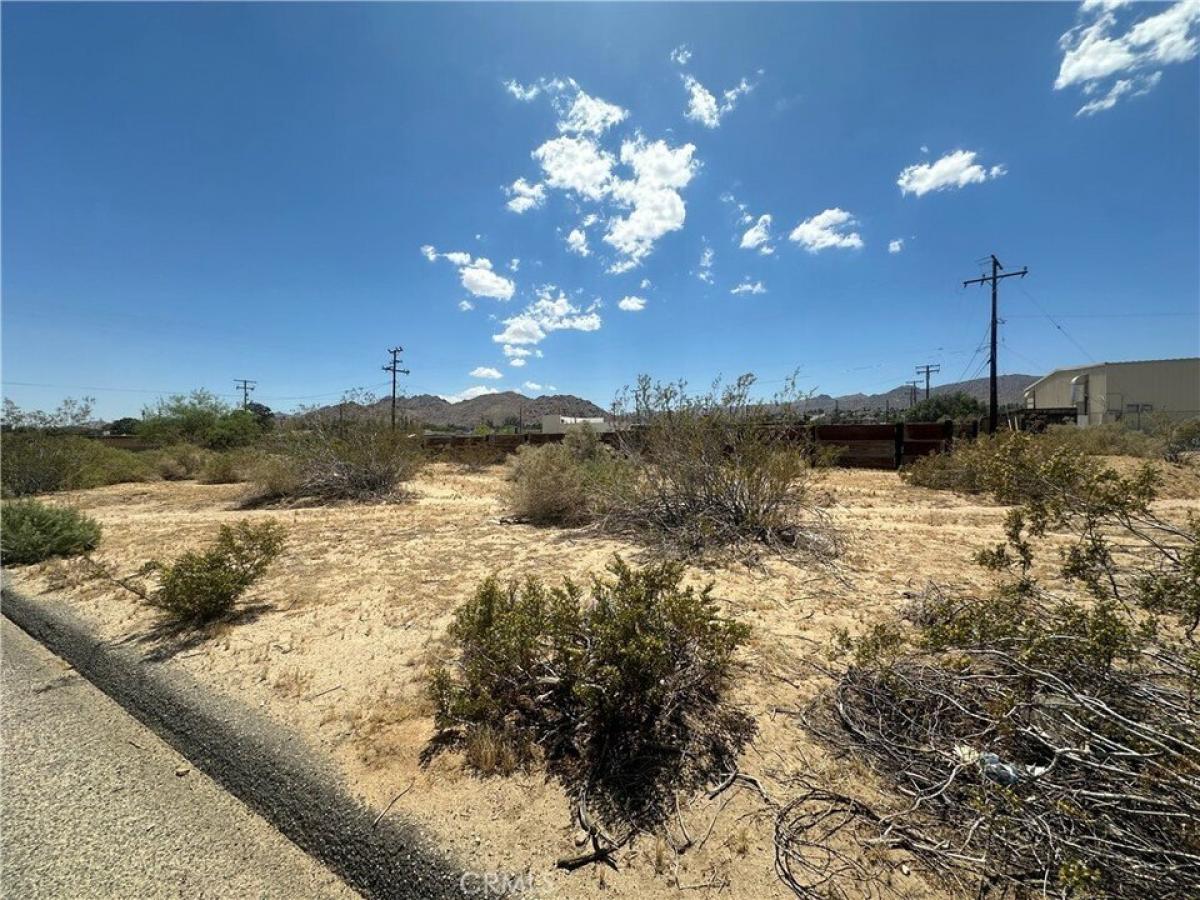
x=1121, y=391
x=563, y=424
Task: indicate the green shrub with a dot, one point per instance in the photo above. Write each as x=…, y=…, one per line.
x=323, y=460
x=36, y=462
x=178, y=462
x=718, y=470
x=226, y=467
x=202, y=419
x=958, y=406
x=1181, y=438
x=567, y=483
x=31, y=531
x=199, y=586
x=624, y=698
x=1108, y=439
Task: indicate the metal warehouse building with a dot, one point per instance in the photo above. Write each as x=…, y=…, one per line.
x=1121, y=391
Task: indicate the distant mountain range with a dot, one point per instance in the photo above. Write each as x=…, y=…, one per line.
x=510, y=406
x=1009, y=388
x=495, y=409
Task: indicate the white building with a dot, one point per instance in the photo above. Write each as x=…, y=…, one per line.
x=563, y=424
x=1121, y=392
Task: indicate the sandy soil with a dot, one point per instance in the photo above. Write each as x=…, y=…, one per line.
x=341, y=631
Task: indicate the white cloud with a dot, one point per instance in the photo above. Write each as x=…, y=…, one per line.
x=514, y=264
x=826, y=230
x=703, y=106
x=470, y=393
x=632, y=304
x=647, y=205
x=511, y=351
x=590, y=115
x=577, y=242
x=532, y=386
x=746, y=287
x=1122, y=87
x=706, y=263
x=525, y=196
x=758, y=236
x=645, y=285
x=466, y=305
x=652, y=196
x=518, y=362
x=1094, y=50
x=485, y=372
x=896, y=245
x=476, y=275
x=547, y=314
x=924, y=149
x=681, y=55
x=480, y=280
x=954, y=170
x=523, y=92
x=576, y=164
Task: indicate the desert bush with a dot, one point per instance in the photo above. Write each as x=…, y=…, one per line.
x=717, y=470
x=178, y=462
x=322, y=460
x=1180, y=439
x=36, y=463
x=226, y=467
x=1044, y=739
x=31, y=531
x=1108, y=439
x=568, y=483
x=624, y=698
x=200, y=586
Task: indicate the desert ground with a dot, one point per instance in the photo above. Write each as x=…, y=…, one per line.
x=338, y=636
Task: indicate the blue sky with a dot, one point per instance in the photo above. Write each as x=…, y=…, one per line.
x=197, y=193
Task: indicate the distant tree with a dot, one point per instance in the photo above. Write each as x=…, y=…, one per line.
x=263, y=415
x=71, y=414
x=939, y=407
x=124, y=426
x=199, y=418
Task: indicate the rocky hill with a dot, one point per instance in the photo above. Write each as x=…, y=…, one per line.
x=496, y=409
x=1010, y=388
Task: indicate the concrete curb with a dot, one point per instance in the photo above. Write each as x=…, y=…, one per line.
x=265, y=765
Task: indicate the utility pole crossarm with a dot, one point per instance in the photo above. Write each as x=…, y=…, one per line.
x=994, y=280
x=395, y=368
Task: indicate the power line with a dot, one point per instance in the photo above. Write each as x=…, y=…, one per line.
x=1051, y=320
x=994, y=279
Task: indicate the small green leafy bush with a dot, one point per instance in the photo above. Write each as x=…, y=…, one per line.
x=200, y=586
x=31, y=531
x=624, y=698
x=202, y=419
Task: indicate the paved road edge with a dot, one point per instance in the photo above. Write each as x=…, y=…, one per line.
x=261, y=763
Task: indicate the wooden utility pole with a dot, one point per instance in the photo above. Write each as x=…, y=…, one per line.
x=245, y=386
x=994, y=279
x=925, y=370
x=912, y=392
x=394, y=368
